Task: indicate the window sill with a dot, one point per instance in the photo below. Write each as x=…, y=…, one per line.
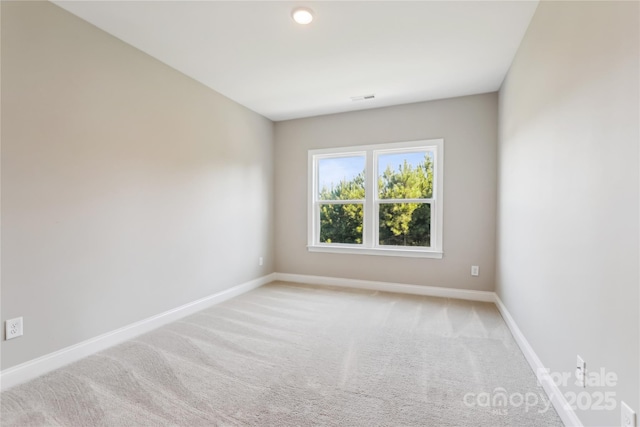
x=409, y=253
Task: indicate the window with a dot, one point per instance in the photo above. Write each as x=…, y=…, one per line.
x=377, y=200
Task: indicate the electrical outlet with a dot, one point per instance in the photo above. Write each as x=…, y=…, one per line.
x=628, y=417
x=475, y=270
x=260, y=261
x=13, y=328
x=581, y=368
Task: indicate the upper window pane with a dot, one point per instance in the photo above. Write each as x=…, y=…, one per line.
x=341, y=178
x=405, y=175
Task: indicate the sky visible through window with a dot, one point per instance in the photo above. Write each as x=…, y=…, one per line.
x=396, y=160
x=333, y=170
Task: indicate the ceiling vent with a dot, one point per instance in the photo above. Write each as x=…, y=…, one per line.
x=363, y=97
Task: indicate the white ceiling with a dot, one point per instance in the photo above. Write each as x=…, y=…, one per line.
x=253, y=52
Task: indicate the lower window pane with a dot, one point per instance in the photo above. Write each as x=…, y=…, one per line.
x=405, y=224
x=341, y=223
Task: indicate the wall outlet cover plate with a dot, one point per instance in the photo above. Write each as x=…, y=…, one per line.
x=580, y=371
x=628, y=416
x=13, y=328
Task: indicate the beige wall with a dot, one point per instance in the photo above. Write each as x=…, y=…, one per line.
x=469, y=128
x=568, y=192
x=127, y=188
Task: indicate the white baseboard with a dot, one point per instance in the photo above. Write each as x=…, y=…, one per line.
x=564, y=410
x=432, y=291
x=36, y=367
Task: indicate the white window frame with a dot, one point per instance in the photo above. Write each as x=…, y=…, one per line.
x=370, y=224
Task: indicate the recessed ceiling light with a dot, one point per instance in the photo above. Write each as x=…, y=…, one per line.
x=302, y=15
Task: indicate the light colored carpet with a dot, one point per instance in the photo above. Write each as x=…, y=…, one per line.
x=294, y=355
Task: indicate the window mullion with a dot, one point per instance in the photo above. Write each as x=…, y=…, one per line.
x=340, y=202
x=405, y=201
x=370, y=191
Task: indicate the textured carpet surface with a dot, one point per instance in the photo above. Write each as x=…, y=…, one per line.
x=294, y=355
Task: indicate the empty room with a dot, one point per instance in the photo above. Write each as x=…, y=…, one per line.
x=320, y=213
